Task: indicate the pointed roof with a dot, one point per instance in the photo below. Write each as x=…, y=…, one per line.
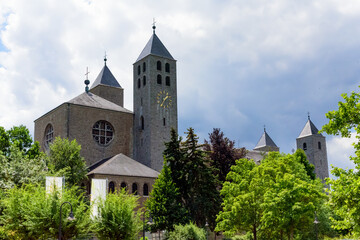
x=265, y=141
x=105, y=77
x=155, y=47
x=91, y=100
x=122, y=165
x=309, y=129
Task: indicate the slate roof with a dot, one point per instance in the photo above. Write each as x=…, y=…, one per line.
x=105, y=77
x=122, y=165
x=309, y=129
x=91, y=100
x=155, y=47
x=265, y=141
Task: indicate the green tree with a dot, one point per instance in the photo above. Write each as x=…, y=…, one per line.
x=344, y=192
x=18, y=168
x=309, y=168
x=117, y=218
x=165, y=209
x=186, y=232
x=65, y=160
x=31, y=213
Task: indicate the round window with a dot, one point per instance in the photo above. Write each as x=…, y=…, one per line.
x=103, y=132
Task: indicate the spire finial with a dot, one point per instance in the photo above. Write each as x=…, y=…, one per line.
x=308, y=115
x=105, y=59
x=87, y=82
x=264, y=128
x=154, y=27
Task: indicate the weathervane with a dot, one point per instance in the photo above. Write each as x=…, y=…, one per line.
x=308, y=115
x=105, y=59
x=153, y=27
x=87, y=82
x=264, y=128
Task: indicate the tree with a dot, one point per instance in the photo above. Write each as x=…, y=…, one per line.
x=31, y=213
x=222, y=153
x=309, y=168
x=344, y=192
x=117, y=218
x=165, y=209
x=186, y=232
x=65, y=159
x=18, y=169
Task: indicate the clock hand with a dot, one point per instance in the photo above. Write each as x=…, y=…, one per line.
x=164, y=101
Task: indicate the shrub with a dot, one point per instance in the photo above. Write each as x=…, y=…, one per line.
x=187, y=232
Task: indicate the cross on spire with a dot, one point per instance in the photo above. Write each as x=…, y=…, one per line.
x=87, y=82
x=105, y=59
x=308, y=115
x=264, y=128
x=87, y=73
x=153, y=27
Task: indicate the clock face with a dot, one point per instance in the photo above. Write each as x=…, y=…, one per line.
x=164, y=99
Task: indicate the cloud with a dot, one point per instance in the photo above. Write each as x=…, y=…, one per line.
x=339, y=151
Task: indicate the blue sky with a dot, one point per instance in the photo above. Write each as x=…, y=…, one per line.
x=241, y=64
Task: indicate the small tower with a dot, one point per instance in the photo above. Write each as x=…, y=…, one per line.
x=155, y=102
x=314, y=145
x=106, y=86
x=266, y=144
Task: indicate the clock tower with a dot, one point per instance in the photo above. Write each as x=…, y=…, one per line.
x=155, y=102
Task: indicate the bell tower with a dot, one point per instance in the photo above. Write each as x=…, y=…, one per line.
x=155, y=102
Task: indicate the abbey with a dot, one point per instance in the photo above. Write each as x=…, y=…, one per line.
x=126, y=146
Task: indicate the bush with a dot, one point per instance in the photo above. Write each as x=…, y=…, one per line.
x=117, y=217
x=30, y=213
x=187, y=232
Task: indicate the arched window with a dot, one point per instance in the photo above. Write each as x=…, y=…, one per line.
x=139, y=84
x=144, y=66
x=159, y=79
x=158, y=65
x=144, y=80
x=139, y=70
x=167, y=67
x=164, y=121
x=167, y=81
x=319, y=145
x=102, y=132
x=304, y=146
x=49, y=135
x=111, y=187
x=134, y=189
x=145, y=190
x=142, y=123
x=123, y=185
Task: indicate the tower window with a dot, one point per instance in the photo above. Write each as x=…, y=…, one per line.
x=145, y=190
x=139, y=70
x=144, y=80
x=49, y=135
x=159, y=79
x=167, y=67
x=139, y=84
x=167, y=81
x=304, y=146
x=111, y=187
x=142, y=123
x=123, y=185
x=319, y=145
x=134, y=189
x=103, y=132
x=158, y=65
x=144, y=66
x=164, y=121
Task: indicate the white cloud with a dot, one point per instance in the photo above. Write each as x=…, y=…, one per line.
x=339, y=151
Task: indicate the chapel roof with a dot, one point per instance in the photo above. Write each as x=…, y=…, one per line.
x=122, y=165
x=265, y=141
x=309, y=129
x=91, y=100
x=105, y=77
x=154, y=47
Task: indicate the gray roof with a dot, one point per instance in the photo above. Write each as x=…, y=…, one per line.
x=122, y=165
x=265, y=141
x=105, y=77
x=309, y=129
x=257, y=156
x=155, y=47
x=91, y=100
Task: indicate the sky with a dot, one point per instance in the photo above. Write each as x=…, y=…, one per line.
x=240, y=64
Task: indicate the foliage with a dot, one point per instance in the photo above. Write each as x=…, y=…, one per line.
x=222, y=153
x=117, y=218
x=31, y=213
x=187, y=232
x=344, y=192
x=20, y=138
x=166, y=211
x=270, y=200
x=18, y=168
x=65, y=160
x=309, y=168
